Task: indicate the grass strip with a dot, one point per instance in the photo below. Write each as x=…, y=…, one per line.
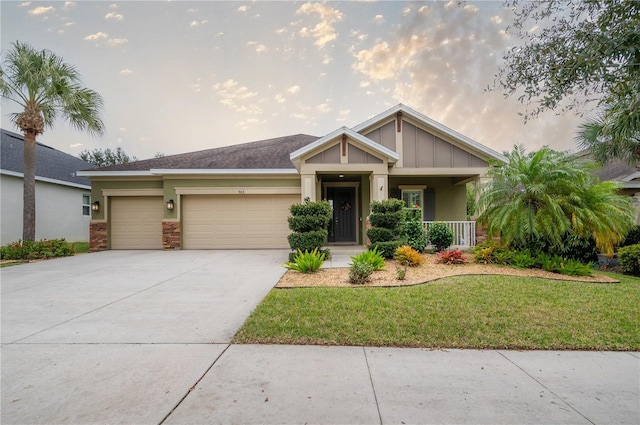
x=498, y=312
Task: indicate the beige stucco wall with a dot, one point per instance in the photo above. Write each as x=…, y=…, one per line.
x=58, y=211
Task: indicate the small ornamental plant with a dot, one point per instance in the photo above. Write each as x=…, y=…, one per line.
x=408, y=256
x=371, y=256
x=440, y=235
x=449, y=256
x=306, y=262
x=360, y=273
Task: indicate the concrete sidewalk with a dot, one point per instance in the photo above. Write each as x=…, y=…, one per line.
x=143, y=337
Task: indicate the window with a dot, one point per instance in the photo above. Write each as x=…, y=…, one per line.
x=86, y=205
x=412, y=198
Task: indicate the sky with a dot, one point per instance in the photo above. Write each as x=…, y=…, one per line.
x=182, y=76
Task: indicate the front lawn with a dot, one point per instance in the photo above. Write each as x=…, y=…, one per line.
x=504, y=312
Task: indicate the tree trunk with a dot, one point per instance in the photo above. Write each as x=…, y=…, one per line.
x=29, y=188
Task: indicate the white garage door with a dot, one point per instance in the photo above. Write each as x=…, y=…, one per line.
x=236, y=221
x=136, y=222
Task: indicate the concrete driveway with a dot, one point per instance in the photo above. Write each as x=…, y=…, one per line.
x=143, y=337
x=120, y=336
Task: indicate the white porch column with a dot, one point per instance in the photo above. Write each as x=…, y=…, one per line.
x=308, y=189
x=379, y=187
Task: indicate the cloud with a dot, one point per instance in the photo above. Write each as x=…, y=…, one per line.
x=237, y=97
x=75, y=145
x=406, y=11
x=324, y=31
x=294, y=89
x=198, y=23
x=113, y=16
x=116, y=41
x=41, y=10
x=496, y=19
x=125, y=72
x=97, y=36
x=279, y=98
x=69, y=4
x=259, y=48
x=298, y=116
x=323, y=108
x=113, y=6
x=242, y=8
x=378, y=19
x=25, y=4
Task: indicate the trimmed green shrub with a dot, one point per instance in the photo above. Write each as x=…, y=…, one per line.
x=307, y=223
x=629, y=259
x=307, y=241
x=440, y=235
x=372, y=257
x=523, y=259
x=36, y=250
x=389, y=220
x=359, y=273
x=387, y=249
x=306, y=262
x=390, y=205
x=379, y=234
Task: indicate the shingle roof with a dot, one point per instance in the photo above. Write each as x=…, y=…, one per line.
x=615, y=170
x=50, y=163
x=263, y=154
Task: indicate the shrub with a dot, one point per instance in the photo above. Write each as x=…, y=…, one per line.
x=401, y=272
x=36, y=250
x=574, y=268
x=306, y=262
x=390, y=205
x=359, y=273
x=485, y=252
x=386, y=249
x=306, y=223
x=629, y=259
x=388, y=220
x=413, y=232
x=379, y=234
x=372, y=257
x=409, y=256
x=441, y=236
x=523, y=259
x=307, y=241
x=632, y=238
x=451, y=257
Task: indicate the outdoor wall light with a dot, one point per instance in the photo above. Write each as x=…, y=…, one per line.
x=170, y=204
x=95, y=206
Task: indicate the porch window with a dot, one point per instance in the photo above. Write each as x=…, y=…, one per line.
x=412, y=199
x=86, y=205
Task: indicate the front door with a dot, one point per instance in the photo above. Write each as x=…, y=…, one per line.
x=344, y=213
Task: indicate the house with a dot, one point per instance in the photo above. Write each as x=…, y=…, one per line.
x=62, y=197
x=239, y=196
x=625, y=175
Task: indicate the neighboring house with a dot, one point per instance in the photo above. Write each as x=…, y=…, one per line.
x=239, y=196
x=62, y=198
x=626, y=175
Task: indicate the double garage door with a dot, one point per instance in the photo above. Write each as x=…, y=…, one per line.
x=208, y=221
x=236, y=221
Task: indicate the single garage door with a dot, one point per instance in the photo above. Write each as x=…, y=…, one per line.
x=136, y=222
x=236, y=221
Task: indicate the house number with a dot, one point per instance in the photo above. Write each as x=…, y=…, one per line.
x=241, y=192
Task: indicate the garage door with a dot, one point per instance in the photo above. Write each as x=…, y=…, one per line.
x=236, y=221
x=136, y=222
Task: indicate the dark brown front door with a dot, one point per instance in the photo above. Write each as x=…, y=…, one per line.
x=344, y=213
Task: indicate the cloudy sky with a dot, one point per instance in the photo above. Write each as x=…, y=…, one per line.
x=179, y=76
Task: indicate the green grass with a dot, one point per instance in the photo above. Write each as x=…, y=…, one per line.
x=80, y=247
x=502, y=312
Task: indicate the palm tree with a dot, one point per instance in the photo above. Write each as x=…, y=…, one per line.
x=615, y=132
x=547, y=195
x=45, y=87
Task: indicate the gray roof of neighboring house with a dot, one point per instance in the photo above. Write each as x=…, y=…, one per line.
x=264, y=154
x=50, y=163
x=615, y=170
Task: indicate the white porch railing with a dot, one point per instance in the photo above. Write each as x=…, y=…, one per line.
x=464, y=232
